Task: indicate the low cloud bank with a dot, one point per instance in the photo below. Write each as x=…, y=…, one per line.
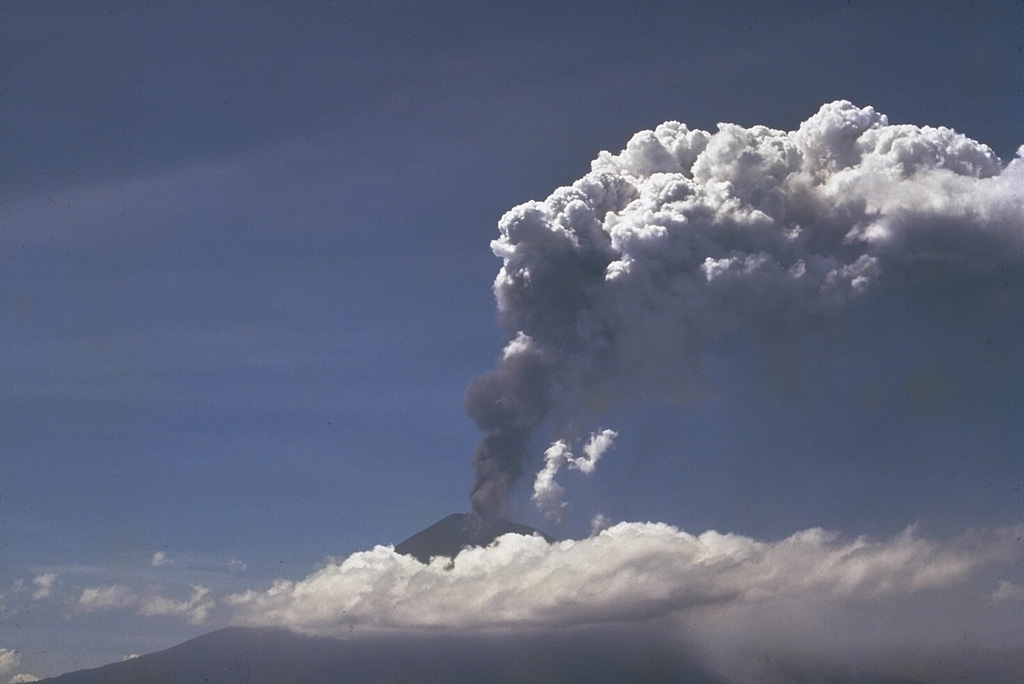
x=635, y=602
x=738, y=607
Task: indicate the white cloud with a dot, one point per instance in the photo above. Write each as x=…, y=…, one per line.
x=106, y=598
x=547, y=494
x=9, y=659
x=814, y=592
x=893, y=608
x=1008, y=591
x=631, y=571
x=159, y=558
x=236, y=565
x=44, y=585
x=599, y=523
x=599, y=444
x=196, y=608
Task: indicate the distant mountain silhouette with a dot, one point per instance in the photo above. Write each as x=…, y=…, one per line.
x=227, y=656
x=237, y=655
x=455, y=532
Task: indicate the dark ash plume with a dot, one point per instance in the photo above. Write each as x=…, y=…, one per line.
x=507, y=404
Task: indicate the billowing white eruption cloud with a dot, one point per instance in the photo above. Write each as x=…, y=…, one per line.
x=716, y=593
x=610, y=286
x=547, y=493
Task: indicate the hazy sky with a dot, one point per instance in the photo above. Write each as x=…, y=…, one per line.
x=247, y=279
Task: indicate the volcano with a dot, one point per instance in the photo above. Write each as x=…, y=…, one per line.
x=457, y=531
x=269, y=654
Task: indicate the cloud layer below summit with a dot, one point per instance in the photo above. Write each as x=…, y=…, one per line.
x=742, y=609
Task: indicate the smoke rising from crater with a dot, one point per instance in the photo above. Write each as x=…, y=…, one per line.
x=547, y=493
x=610, y=286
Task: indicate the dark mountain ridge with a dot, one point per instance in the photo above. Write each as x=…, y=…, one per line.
x=268, y=655
x=264, y=655
x=455, y=532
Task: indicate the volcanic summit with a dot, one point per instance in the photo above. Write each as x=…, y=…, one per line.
x=457, y=531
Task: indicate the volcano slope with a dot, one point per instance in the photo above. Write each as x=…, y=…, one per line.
x=457, y=531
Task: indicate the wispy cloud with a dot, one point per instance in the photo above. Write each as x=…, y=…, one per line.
x=44, y=584
x=547, y=493
x=196, y=608
x=1008, y=591
x=106, y=598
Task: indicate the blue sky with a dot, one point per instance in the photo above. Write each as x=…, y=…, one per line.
x=247, y=274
